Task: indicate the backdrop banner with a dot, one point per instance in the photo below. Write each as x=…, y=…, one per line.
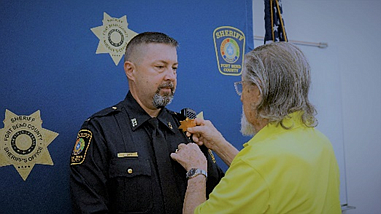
x=62, y=61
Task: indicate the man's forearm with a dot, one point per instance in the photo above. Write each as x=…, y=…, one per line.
x=226, y=152
x=195, y=194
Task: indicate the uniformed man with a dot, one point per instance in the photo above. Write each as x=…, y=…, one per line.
x=121, y=160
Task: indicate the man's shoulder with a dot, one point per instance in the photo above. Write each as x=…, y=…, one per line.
x=174, y=114
x=105, y=113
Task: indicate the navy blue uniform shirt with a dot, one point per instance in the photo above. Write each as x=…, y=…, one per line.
x=113, y=168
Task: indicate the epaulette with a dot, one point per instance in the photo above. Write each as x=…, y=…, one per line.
x=106, y=112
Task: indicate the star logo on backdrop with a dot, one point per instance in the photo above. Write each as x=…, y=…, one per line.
x=23, y=142
x=113, y=36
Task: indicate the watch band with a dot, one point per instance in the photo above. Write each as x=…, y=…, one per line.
x=193, y=172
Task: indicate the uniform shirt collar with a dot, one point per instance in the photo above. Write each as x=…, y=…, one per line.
x=139, y=117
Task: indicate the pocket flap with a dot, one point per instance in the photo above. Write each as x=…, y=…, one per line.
x=125, y=167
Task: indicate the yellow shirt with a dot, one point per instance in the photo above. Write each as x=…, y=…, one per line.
x=280, y=171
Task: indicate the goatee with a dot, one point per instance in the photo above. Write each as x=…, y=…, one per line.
x=160, y=101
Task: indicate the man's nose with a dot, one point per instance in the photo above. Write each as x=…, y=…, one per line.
x=170, y=74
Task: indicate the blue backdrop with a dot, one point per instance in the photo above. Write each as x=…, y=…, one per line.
x=48, y=63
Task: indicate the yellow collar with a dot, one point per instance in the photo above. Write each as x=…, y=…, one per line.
x=293, y=121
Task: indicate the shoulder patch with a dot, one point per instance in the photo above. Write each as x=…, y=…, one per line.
x=81, y=145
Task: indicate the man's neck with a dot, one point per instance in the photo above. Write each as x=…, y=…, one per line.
x=151, y=111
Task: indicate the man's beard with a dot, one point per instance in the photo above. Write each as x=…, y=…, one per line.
x=160, y=101
x=247, y=129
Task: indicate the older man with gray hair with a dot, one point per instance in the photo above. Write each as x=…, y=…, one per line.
x=288, y=166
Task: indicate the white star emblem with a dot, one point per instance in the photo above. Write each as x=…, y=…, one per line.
x=113, y=36
x=230, y=50
x=275, y=27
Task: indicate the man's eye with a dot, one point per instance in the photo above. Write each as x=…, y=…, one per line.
x=159, y=66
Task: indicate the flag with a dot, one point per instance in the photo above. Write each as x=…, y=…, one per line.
x=274, y=24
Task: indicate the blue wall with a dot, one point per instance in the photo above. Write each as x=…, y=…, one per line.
x=48, y=63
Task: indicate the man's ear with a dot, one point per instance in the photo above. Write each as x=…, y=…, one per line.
x=258, y=94
x=129, y=68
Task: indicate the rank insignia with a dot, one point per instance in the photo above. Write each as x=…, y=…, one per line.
x=134, y=122
x=170, y=125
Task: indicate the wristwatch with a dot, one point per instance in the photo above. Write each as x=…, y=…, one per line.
x=193, y=172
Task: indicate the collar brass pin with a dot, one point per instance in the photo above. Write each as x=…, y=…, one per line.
x=170, y=125
x=134, y=122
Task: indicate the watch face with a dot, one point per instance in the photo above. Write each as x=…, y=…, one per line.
x=192, y=171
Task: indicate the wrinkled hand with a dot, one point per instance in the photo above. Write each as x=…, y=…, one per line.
x=205, y=134
x=190, y=156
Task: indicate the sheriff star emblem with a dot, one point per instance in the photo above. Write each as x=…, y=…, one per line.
x=23, y=142
x=113, y=36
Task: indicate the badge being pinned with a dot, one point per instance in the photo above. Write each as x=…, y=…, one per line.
x=189, y=123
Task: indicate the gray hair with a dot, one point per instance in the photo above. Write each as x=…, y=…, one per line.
x=146, y=38
x=282, y=74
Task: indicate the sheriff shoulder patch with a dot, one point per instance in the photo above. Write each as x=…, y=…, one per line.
x=81, y=145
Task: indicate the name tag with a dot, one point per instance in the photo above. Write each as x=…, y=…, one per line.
x=128, y=155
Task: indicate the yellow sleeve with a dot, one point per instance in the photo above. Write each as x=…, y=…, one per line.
x=242, y=190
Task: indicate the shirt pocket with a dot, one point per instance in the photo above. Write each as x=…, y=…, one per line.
x=130, y=185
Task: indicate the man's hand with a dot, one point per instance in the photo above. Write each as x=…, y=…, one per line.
x=205, y=134
x=190, y=156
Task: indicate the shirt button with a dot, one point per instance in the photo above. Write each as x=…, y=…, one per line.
x=129, y=170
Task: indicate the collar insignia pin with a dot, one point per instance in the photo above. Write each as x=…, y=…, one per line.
x=134, y=122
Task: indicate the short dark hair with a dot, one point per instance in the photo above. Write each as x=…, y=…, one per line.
x=146, y=38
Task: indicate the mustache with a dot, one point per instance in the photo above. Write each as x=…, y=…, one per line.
x=166, y=85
